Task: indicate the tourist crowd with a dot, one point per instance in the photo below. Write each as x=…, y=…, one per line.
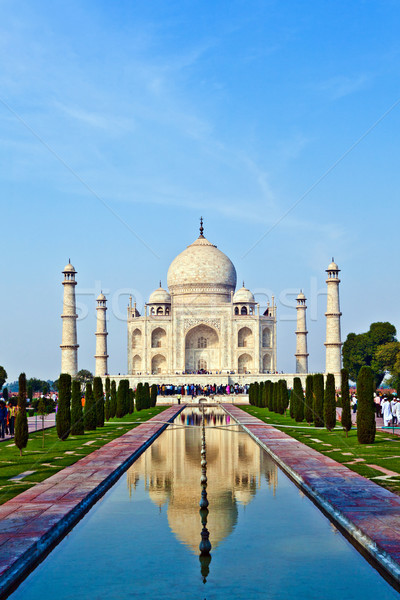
x=201, y=390
x=7, y=418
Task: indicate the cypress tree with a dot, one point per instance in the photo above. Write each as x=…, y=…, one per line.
x=260, y=394
x=21, y=432
x=113, y=399
x=291, y=405
x=5, y=394
x=121, y=400
x=309, y=401
x=284, y=397
x=330, y=402
x=275, y=397
x=30, y=392
x=107, y=402
x=99, y=401
x=256, y=389
x=63, y=418
x=139, y=396
x=298, y=400
x=146, y=395
x=318, y=405
x=365, y=406
x=153, y=395
x=126, y=396
x=131, y=401
x=89, y=418
x=269, y=395
x=77, y=425
x=346, y=409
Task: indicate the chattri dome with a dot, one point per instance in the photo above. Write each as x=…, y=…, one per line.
x=160, y=296
x=69, y=268
x=243, y=296
x=202, y=269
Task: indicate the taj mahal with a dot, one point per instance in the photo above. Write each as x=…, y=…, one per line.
x=202, y=328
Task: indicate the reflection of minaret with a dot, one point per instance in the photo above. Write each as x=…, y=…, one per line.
x=69, y=346
x=205, y=544
x=301, y=335
x=333, y=343
x=101, y=337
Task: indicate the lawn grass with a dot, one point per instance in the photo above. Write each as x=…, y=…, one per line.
x=385, y=452
x=55, y=454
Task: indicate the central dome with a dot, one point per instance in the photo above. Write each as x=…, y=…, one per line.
x=202, y=269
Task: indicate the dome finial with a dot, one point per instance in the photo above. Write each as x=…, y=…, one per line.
x=160, y=283
x=201, y=227
x=243, y=282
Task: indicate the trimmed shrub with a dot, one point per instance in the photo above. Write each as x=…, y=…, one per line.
x=365, y=406
x=99, y=401
x=107, y=402
x=121, y=407
x=298, y=400
x=346, y=408
x=63, y=417
x=139, y=396
x=291, y=404
x=153, y=395
x=260, y=394
x=146, y=395
x=21, y=432
x=89, y=417
x=77, y=426
x=318, y=405
x=330, y=402
x=131, y=401
x=113, y=399
x=309, y=401
x=256, y=393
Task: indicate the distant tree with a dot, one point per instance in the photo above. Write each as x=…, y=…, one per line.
x=387, y=359
x=318, y=405
x=265, y=394
x=146, y=395
x=360, y=350
x=113, y=399
x=298, y=400
x=63, y=417
x=284, y=396
x=45, y=388
x=281, y=396
x=3, y=376
x=330, y=402
x=153, y=395
x=291, y=404
x=107, y=402
x=5, y=394
x=99, y=401
x=30, y=392
x=77, y=424
x=365, y=406
x=84, y=376
x=21, y=421
x=89, y=417
x=345, y=393
x=309, y=400
x=256, y=393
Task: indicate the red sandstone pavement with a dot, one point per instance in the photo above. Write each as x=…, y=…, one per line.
x=368, y=512
x=33, y=521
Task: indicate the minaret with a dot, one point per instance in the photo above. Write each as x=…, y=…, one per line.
x=301, y=335
x=101, y=337
x=333, y=343
x=69, y=346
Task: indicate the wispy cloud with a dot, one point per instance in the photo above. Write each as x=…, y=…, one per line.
x=341, y=85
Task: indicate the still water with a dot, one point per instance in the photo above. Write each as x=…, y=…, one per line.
x=141, y=540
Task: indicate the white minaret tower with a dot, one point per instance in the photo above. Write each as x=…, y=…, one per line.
x=301, y=335
x=333, y=342
x=101, y=355
x=69, y=346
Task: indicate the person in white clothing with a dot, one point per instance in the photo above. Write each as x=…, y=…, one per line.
x=397, y=411
x=386, y=412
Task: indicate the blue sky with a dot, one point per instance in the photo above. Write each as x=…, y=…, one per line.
x=121, y=123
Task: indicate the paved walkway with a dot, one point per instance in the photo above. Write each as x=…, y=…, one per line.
x=35, y=424
x=32, y=522
x=367, y=512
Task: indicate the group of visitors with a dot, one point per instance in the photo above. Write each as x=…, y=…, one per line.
x=201, y=390
x=389, y=409
x=7, y=418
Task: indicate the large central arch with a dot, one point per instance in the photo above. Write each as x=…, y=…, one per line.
x=202, y=349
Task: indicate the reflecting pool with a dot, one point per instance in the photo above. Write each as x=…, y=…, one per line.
x=141, y=540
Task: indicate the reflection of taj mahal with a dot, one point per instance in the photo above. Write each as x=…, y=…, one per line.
x=201, y=325
x=170, y=470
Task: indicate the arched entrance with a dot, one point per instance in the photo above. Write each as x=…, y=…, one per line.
x=245, y=363
x=158, y=364
x=202, y=351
